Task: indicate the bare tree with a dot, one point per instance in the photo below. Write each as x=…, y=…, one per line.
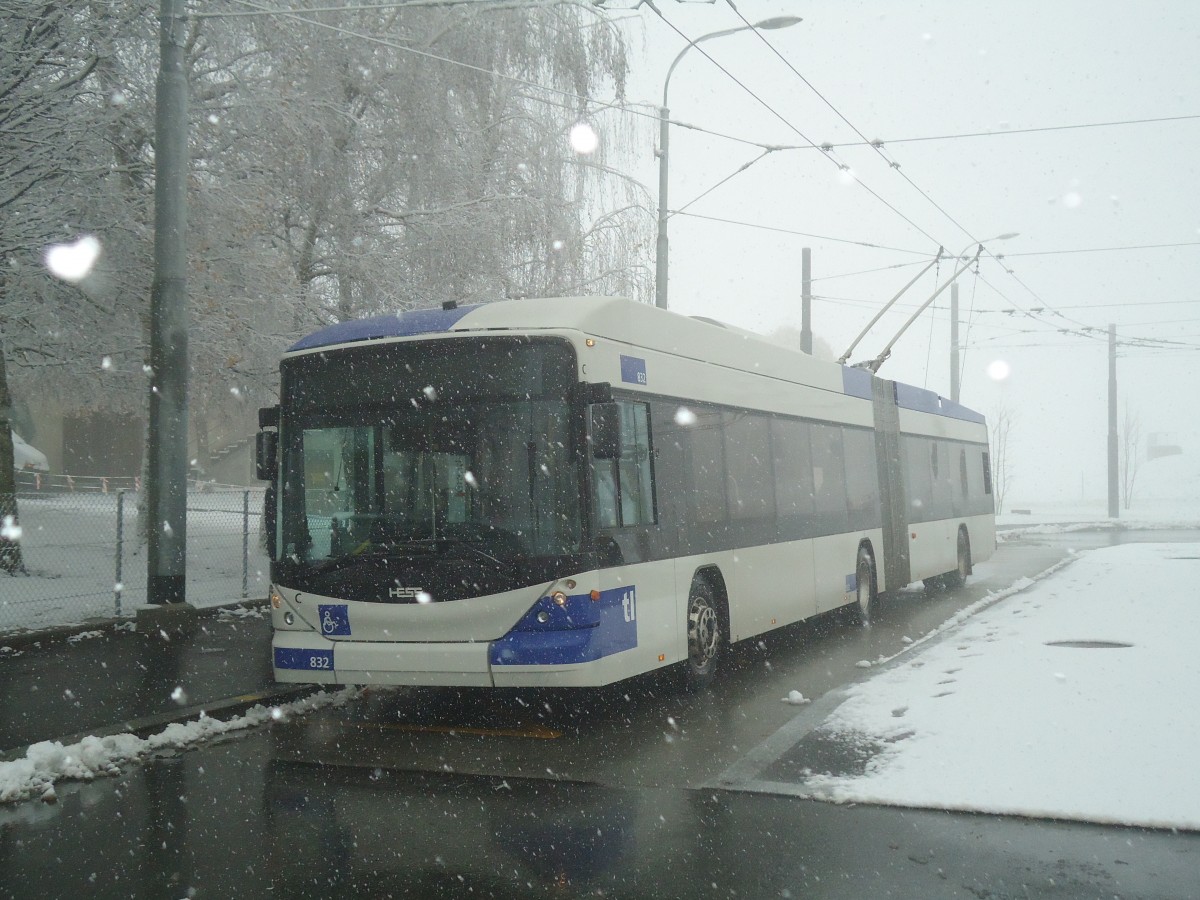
x=343, y=163
x=1131, y=459
x=1002, y=475
x=48, y=55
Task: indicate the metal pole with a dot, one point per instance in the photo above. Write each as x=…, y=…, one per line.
x=167, y=450
x=1114, y=504
x=806, y=300
x=660, y=253
x=245, y=544
x=954, y=386
x=664, y=123
x=117, y=585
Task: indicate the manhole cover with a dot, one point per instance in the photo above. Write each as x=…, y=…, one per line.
x=1090, y=645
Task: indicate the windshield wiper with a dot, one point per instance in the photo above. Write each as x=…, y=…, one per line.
x=384, y=549
x=463, y=542
x=338, y=563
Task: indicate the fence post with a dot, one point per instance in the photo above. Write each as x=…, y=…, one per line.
x=245, y=544
x=120, y=541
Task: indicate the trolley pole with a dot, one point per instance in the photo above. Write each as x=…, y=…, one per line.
x=1114, y=492
x=806, y=300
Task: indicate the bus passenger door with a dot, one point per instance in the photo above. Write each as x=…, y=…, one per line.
x=637, y=565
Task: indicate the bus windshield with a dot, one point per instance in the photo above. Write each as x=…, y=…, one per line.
x=440, y=446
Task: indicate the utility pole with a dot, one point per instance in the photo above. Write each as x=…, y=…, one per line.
x=166, y=485
x=806, y=300
x=954, y=386
x=1114, y=495
x=661, y=243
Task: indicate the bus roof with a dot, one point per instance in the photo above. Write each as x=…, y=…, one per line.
x=637, y=324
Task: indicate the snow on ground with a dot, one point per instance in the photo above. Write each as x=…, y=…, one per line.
x=47, y=762
x=1166, y=494
x=1073, y=699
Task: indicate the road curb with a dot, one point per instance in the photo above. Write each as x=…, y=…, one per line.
x=20, y=640
x=228, y=707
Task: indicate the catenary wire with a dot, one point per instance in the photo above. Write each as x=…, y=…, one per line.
x=841, y=166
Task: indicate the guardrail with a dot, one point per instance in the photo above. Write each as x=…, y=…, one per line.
x=81, y=554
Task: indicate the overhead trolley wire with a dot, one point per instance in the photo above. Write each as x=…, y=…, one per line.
x=781, y=117
x=821, y=237
x=303, y=16
x=877, y=146
x=1016, y=131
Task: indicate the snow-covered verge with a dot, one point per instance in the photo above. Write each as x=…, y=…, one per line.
x=1071, y=700
x=47, y=762
x=69, y=549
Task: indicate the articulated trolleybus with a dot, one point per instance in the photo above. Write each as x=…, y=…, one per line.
x=572, y=491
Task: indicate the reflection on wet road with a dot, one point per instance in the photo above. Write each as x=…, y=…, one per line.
x=425, y=793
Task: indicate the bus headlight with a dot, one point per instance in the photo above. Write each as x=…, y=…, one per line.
x=276, y=598
x=289, y=618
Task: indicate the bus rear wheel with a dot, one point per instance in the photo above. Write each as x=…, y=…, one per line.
x=866, y=596
x=704, y=636
x=958, y=576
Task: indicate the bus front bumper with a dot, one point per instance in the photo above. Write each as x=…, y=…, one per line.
x=312, y=659
x=306, y=658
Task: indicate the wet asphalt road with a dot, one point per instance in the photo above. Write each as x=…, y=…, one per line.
x=436, y=793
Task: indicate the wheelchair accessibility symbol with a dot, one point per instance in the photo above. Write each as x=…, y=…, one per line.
x=335, y=620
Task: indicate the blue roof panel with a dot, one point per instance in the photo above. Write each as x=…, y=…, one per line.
x=921, y=400
x=857, y=382
x=405, y=324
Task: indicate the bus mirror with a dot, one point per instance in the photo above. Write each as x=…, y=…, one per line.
x=595, y=392
x=266, y=448
x=268, y=417
x=606, y=430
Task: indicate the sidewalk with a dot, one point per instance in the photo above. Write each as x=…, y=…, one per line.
x=1070, y=697
x=114, y=679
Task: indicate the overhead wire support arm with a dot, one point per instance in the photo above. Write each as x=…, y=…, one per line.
x=879, y=360
x=862, y=334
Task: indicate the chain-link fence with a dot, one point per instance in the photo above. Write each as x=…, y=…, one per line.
x=75, y=551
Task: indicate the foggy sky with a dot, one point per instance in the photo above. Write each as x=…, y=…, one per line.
x=910, y=70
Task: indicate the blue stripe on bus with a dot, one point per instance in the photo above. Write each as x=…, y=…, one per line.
x=299, y=658
x=921, y=400
x=406, y=324
x=530, y=644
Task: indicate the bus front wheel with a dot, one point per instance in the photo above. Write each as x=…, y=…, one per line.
x=703, y=635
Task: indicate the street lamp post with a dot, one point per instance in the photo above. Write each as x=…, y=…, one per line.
x=664, y=121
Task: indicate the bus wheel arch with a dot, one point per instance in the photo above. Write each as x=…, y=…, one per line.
x=707, y=621
x=866, y=584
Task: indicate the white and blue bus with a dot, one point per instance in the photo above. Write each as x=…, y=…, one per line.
x=573, y=491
